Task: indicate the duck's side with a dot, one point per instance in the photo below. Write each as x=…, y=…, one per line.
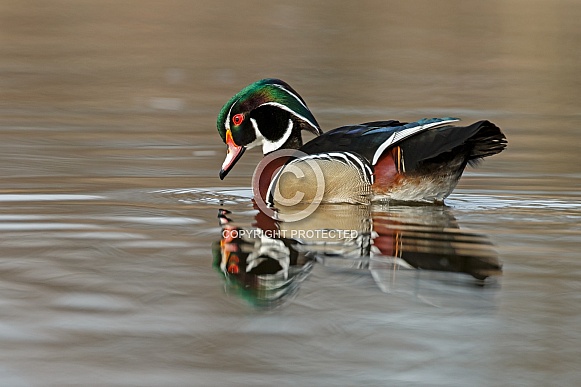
x=428, y=165
x=389, y=160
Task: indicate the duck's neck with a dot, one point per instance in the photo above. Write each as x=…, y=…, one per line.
x=290, y=139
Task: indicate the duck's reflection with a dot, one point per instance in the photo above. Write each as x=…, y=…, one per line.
x=267, y=262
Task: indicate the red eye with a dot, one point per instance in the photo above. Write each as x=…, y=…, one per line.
x=237, y=119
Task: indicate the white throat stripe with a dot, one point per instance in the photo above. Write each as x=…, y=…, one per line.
x=268, y=146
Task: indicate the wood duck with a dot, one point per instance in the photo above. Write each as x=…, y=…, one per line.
x=420, y=161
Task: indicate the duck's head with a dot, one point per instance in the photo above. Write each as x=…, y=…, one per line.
x=268, y=113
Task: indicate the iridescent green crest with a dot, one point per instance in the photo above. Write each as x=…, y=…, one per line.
x=268, y=91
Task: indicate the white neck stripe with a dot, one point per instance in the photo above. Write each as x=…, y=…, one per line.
x=268, y=146
x=259, y=138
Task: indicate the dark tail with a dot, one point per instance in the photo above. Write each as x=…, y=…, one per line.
x=487, y=141
x=473, y=142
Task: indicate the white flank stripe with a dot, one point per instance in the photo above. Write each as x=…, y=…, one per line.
x=403, y=134
x=346, y=158
x=381, y=148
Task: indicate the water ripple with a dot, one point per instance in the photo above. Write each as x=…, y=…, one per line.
x=209, y=196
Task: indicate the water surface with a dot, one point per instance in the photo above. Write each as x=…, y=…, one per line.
x=110, y=197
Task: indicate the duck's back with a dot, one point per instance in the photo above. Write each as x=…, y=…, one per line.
x=390, y=160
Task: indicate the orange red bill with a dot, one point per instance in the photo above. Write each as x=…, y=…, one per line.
x=233, y=153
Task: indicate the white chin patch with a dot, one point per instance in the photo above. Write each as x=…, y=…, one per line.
x=268, y=146
x=259, y=139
